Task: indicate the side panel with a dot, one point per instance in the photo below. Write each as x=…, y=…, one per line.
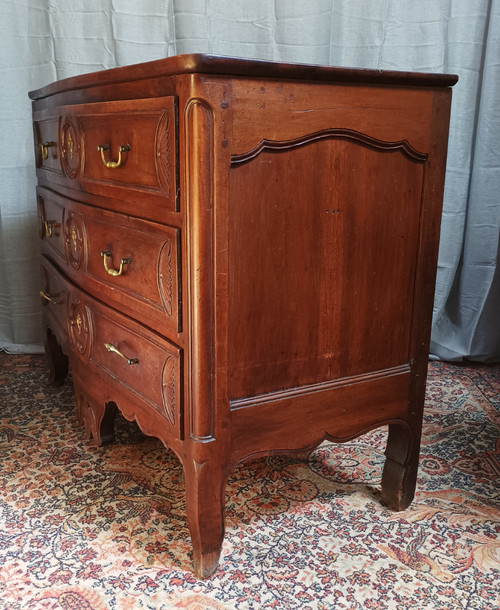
x=322, y=249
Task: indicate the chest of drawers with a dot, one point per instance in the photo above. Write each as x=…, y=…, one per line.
x=241, y=257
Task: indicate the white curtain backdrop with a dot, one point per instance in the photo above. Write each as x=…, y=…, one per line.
x=45, y=40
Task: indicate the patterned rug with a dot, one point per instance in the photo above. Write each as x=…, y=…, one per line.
x=83, y=528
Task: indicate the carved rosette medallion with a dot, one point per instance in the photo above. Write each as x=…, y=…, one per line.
x=162, y=158
x=79, y=324
x=166, y=278
x=169, y=388
x=74, y=240
x=71, y=156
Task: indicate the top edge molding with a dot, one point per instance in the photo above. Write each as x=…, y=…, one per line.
x=234, y=66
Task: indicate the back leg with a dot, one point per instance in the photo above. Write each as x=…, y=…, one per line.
x=58, y=361
x=399, y=476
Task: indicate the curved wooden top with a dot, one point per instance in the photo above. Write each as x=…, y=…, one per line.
x=232, y=66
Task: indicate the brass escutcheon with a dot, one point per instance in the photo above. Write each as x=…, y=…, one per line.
x=78, y=322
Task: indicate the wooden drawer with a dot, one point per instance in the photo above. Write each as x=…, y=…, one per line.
x=125, y=150
x=50, y=224
x=123, y=351
x=54, y=293
x=46, y=139
x=147, y=128
x=128, y=263
x=146, y=364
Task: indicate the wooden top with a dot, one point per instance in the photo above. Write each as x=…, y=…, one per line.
x=231, y=66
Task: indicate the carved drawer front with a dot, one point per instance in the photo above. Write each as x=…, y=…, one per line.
x=128, y=263
x=122, y=149
x=54, y=294
x=50, y=226
x=146, y=364
x=46, y=137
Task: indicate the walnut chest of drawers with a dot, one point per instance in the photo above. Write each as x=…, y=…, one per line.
x=241, y=256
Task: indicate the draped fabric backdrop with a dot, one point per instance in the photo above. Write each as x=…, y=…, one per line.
x=45, y=40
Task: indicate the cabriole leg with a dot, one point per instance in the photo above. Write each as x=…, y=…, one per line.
x=205, y=487
x=399, y=477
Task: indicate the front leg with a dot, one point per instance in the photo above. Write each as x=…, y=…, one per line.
x=399, y=476
x=97, y=416
x=205, y=490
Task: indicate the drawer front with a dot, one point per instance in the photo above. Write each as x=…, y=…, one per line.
x=126, y=148
x=123, y=150
x=50, y=225
x=117, y=348
x=128, y=263
x=147, y=365
x=54, y=293
x=46, y=138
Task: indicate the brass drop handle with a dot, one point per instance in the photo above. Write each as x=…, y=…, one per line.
x=44, y=149
x=113, y=164
x=124, y=261
x=48, y=225
x=49, y=297
x=112, y=348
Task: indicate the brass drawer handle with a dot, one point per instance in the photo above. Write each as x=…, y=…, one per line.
x=113, y=164
x=48, y=225
x=124, y=261
x=111, y=348
x=44, y=149
x=50, y=297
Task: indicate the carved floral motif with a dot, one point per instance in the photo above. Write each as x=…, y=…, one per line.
x=169, y=388
x=163, y=152
x=166, y=278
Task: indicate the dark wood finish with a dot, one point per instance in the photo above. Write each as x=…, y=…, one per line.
x=270, y=233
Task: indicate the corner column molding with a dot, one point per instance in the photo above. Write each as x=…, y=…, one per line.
x=199, y=146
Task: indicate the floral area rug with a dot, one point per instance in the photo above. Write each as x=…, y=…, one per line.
x=86, y=528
